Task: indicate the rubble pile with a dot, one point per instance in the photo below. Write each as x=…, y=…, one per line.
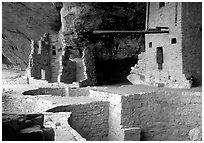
x=25, y=127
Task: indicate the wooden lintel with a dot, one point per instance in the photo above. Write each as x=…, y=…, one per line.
x=129, y=32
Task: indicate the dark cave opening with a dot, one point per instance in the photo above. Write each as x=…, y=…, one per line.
x=113, y=71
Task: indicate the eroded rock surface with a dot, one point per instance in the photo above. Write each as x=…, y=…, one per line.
x=21, y=22
x=79, y=20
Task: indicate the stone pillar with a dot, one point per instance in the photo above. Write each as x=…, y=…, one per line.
x=89, y=68
x=30, y=61
x=68, y=73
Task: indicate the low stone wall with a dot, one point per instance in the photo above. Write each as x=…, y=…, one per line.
x=78, y=91
x=116, y=133
x=47, y=91
x=162, y=115
x=47, y=126
x=59, y=122
x=90, y=120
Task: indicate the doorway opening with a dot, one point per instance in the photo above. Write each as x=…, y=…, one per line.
x=160, y=59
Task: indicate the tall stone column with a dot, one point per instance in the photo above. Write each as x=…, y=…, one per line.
x=89, y=68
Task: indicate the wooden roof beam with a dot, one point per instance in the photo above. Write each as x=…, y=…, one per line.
x=129, y=32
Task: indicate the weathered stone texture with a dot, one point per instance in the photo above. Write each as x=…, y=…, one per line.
x=68, y=72
x=162, y=115
x=59, y=122
x=90, y=120
x=40, y=58
x=25, y=127
x=196, y=134
x=21, y=22
x=46, y=91
x=192, y=41
x=90, y=69
x=80, y=19
x=181, y=60
x=116, y=132
x=132, y=134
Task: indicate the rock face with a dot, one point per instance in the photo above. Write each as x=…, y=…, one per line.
x=79, y=20
x=78, y=43
x=22, y=22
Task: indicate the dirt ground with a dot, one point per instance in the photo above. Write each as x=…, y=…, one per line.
x=13, y=101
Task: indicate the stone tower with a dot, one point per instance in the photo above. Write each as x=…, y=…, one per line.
x=171, y=59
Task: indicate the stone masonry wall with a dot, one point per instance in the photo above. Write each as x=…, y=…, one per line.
x=39, y=60
x=172, y=53
x=192, y=41
x=171, y=73
x=116, y=131
x=152, y=116
x=25, y=127
x=56, y=45
x=90, y=120
x=162, y=115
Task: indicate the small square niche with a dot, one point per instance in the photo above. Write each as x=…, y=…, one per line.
x=150, y=44
x=173, y=41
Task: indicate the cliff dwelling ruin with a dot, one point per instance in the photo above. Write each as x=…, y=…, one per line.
x=109, y=61
x=129, y=71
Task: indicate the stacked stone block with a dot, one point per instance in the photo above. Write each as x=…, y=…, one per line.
x=25, y=127
x=152, y=116
x=118, y=131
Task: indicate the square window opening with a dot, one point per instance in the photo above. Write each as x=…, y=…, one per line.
x=53, y=52
x=150, y=44
x=173, y=41
x=161, y=4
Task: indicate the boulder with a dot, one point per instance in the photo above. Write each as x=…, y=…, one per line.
x=134, y=79
x=23, y=127
x=34, y=133
x=196, y=134
x=49, y=134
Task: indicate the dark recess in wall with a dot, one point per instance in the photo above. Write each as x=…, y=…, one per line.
x=113, y=71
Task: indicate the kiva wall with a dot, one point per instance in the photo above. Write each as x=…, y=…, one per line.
x=47, y=91
x=152, y=116
x=90, y=120
x=162, y=115
x=192, y=40
x=117, y=132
